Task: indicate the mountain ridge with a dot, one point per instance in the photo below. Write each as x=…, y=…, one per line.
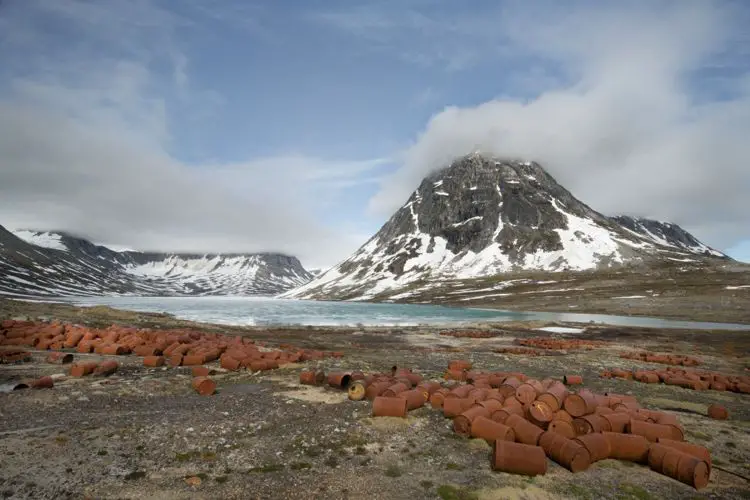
x=49, y=263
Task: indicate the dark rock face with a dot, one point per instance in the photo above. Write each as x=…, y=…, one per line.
x=74, y=266
x=508, y=203
x=672, y=234
x=482, y=216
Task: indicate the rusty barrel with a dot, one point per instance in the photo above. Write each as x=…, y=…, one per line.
x=489, y=430
x=384, y=406
x=204, y=386
x=518, y=458
x=630, y=447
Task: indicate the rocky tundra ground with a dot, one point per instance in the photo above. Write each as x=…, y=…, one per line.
x=145, y=432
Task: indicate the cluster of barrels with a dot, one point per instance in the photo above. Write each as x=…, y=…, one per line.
x=175, y=347
x=81, y=369
x=664, y=359
x=246, y=354
x=527, y=420
x=393, y=394
x=697, y=380
x=84, y=368
x=157, y=347
x=561, y=344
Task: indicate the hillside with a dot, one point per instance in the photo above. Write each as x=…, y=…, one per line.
x=58, y=264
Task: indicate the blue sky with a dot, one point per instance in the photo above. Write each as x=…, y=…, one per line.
x=301, y=126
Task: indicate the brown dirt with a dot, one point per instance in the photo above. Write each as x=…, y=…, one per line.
x=671, y=291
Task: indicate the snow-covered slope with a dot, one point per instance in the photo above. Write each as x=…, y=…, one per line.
x=57, y=264
x=483, y=216
x=41, y=239
x=666, y=234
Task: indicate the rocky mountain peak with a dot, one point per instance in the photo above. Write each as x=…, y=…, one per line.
x=484, y=215
x=480, y=201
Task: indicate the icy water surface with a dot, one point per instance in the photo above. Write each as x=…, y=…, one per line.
x=269, y=311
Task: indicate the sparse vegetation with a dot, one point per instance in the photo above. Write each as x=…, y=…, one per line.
x=450, y=492
x=313, y=451
x=266, y=468
x=698, y=435
x=393, y=470
x=629, y=491
x=138, y=474
x=580, y=492
x=186, y=456
x=608, y=464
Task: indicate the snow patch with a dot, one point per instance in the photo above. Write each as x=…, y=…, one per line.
x=585, y=244
x=41, y=239
x=560, y=329
x=457, y=224
x=486, y=296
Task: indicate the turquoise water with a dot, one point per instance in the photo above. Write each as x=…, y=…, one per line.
x=268, y=311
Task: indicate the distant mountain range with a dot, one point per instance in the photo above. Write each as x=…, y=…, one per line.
x=478, y=217
x=58, y=264
x=483, y=216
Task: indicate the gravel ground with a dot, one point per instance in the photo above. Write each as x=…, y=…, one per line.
x=718, y=293
x=144, y=433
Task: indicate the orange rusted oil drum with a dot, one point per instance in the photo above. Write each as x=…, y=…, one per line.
x=518, y=458
x=204, y=386
x=383, y=406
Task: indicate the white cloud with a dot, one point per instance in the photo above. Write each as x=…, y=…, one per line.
x=93, y=176
x=631, y=133
x=86, y=147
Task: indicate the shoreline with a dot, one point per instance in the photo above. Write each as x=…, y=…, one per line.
x=569, y=318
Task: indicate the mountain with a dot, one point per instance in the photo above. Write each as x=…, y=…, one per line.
x=483, y=216
x=666, y=234
x=58, y=264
